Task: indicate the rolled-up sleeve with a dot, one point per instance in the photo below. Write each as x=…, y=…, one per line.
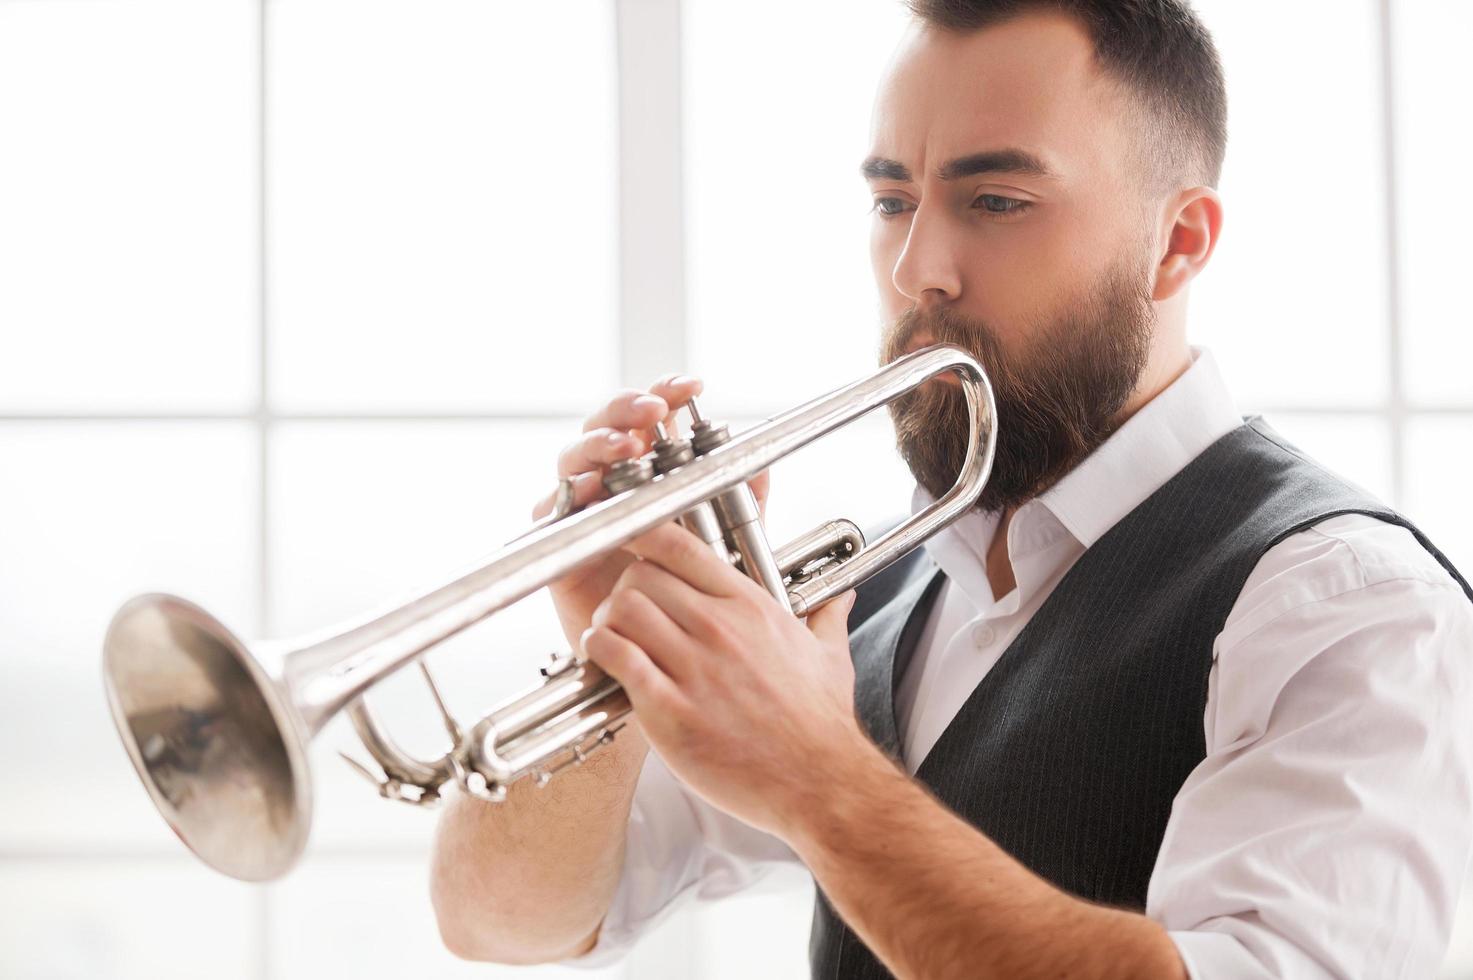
x=677, y=848
x=1328, y=830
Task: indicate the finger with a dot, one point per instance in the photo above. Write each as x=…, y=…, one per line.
x=595, y=449
x=830, y=623
x=690, y=609
x=648, y=687
x=676, y=389
x=638, y=618
x=629, y=409
x=686, y=556
x=587, y=487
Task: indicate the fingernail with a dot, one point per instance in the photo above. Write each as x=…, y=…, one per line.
x=649, y=401
x=618, y=438
x=682, y=379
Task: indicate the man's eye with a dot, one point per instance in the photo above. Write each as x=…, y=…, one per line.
x=996, y=204
x=888, y=207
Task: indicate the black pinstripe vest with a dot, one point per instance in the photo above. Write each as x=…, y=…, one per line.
x=1070, y=751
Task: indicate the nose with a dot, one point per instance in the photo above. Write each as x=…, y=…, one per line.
x=927, y=271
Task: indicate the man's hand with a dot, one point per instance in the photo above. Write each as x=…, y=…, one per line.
x=741, y=699
x=754, y=711
x=622, y=428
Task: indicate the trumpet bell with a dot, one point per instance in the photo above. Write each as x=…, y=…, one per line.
x=207, y=727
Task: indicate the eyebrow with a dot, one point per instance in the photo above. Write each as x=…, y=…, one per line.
x=1008, y=161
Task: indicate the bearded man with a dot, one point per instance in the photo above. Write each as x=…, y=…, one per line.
x=1172, y=701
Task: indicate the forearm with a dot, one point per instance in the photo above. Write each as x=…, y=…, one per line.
x=529, y=880
x=933, y=897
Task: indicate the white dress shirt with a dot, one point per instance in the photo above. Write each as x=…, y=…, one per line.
x=1328, y=829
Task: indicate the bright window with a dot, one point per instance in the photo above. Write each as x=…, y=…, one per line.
x=298, y=300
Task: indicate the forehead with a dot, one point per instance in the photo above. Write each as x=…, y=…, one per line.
x=1030, y=82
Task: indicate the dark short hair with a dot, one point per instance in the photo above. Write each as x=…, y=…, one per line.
x=1158, y=50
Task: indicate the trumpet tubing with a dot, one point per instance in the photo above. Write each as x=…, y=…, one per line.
x=219, y=731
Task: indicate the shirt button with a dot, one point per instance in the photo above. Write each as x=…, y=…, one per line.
x=983, y=635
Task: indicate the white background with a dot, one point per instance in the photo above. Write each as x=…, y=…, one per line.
x=299, y=299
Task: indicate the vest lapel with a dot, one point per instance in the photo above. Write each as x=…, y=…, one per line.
x=894, y=628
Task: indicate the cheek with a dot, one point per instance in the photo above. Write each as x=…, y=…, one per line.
x=1015, y=287
x=1075, y=243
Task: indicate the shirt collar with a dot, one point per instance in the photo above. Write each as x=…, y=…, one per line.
x=1153, y=445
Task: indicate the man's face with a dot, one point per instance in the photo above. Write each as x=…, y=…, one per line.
x=1035, y=256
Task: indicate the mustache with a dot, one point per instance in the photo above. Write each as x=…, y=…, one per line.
x=941, y=325
x=944, y=325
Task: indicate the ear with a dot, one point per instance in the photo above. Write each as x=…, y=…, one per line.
x=1194, y=222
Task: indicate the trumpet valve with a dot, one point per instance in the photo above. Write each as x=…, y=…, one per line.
x=627, y=474
x=671, y=452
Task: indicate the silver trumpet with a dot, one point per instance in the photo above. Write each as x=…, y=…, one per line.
x=219, y=731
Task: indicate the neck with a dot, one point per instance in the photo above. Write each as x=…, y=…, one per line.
x=1165, y=366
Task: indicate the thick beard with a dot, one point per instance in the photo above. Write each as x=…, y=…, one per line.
x=1057, y=401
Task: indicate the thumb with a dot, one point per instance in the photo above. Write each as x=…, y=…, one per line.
x=831, y=623
x=760, y=484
